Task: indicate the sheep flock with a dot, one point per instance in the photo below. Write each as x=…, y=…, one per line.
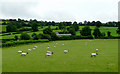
x=49, y=52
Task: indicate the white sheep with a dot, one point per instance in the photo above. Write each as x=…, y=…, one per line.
x=62, y=44
x=20, y=51
x=48, y=47
x=56, y=43
x=94, y=54
x=24, y=54
x=96, y=49
x=54, y=46
x=33, y=48
x=49, y=53
x=66, y=51
x=29, y=49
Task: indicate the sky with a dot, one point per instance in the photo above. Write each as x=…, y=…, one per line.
x=60, y=10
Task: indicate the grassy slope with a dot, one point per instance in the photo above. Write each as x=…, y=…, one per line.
x=102, y=29
x=77, y=60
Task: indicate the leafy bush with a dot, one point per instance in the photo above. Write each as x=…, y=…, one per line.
x=13, y=43
x=24, y=36
x=16, y=37
x=86, y=31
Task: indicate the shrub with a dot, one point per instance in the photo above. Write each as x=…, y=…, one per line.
x=86, y=31
x=13, y=43
x=24, y=36
x=16, y=37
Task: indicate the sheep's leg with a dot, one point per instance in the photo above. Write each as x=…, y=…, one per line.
x=91, y=55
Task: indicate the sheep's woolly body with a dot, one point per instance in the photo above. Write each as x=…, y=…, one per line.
x=20, y=51
x=96, y=49
x=33, y=48
x=24, y=54
x=29, y=49
x=48, y=47
x=65, y=51
x=93, y=54
x=54, y=46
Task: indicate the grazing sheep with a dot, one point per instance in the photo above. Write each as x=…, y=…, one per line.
x=66, y=51
x=54, y=46
x=96, y=50
x=24, y=54
x=20, y=51
x=49, y=53
x=29, y=49
x=33, y=48
x=94, y=54
x=62, y=44
x=48, y=47
x=56, y=43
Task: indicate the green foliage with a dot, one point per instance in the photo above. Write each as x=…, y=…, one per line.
x=11, y=28
x=53, y=36
x=47, y=31
x=109, y=33
x=61, y=25
x=16, y=37
x=34, y=25
x=97, y=32
x=86, y=31
x=98, y=24
x=118, y=30
x=75, y=26
x=34, y=34
x=72, y=31
x=24, y=36
x=46, y=36
x=14, y=43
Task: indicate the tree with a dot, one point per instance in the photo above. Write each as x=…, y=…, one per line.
x=24, y=36
x=16, y=37
x=47, y=31
x=118, y=30
x=72, y=31
x=75, y=26
x=34, y=25
x=97, y=32
x=109, y=33
x=11, y=28
x=61, y=25
x=86, y=31
x=53, y=36
x=98, y=24
x=34, y=34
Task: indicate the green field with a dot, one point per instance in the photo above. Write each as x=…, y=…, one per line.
x=77, y=60
x=102, y=29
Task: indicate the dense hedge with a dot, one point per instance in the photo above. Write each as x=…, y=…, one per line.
x=74, y=37
x=13, y=43
x=85, y=37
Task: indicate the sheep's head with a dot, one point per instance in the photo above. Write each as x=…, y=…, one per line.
x=52, y=52
x=27, y=52
x=96, y=53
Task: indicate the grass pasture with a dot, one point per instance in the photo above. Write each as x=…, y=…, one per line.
x=77, y=60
